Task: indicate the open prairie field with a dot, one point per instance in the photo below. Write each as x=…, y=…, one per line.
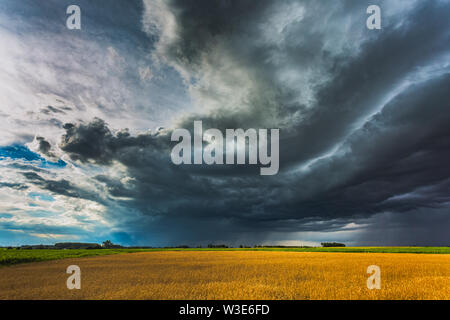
x=10, y=257
x=232, y=275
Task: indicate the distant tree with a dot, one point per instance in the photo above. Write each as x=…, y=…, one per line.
x=107, y=244
x=75, y=245
x=217, y=246
x=332, y=244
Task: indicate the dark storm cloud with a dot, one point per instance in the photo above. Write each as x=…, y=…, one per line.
x=360, y=85
x=394, y=162
x=16, y=186
x=62, y=187
x=426, y=227
x=147, y=158
x=44, y=146
x=354, y=86
x=95, y=142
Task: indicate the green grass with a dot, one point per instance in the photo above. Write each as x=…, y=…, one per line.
x=11, y=257
x=429, y=250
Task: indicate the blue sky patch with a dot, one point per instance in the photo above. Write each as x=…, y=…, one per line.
x=41, y=196
x=19, y=152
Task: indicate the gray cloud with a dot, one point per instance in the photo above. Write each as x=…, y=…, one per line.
x=62, y=187
x=363, y=117
x=427, y=227
x=44, y=146
x=389, y=165
x=94, y=141
x=17, y=186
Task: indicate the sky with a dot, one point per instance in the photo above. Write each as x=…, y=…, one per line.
x=87, y=115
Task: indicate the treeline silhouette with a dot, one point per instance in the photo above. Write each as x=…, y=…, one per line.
x=332, y=244
x=109, y=245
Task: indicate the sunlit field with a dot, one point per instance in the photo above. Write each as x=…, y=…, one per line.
x=13, y=256
x=232, y=275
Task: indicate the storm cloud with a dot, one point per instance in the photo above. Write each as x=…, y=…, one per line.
x=363, y=118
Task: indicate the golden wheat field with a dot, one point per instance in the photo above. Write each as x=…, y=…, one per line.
x=233, y=275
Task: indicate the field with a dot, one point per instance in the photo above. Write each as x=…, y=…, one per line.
x=10, y=257
x=234, y=274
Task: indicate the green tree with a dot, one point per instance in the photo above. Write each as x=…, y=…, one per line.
x=107, y=244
